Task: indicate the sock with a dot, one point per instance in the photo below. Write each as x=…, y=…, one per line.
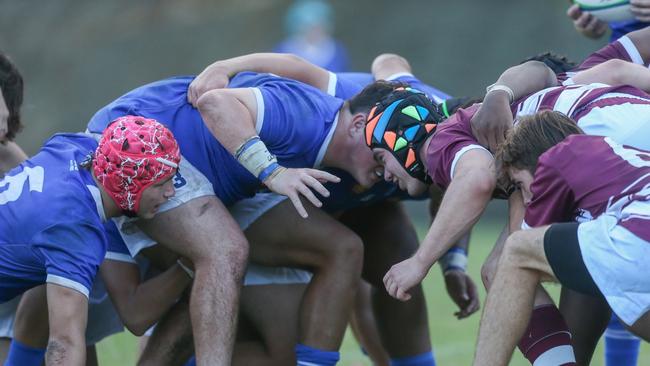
x=23, y=355
x=621, y=346
x=424, y=359
x=191, y=362
x=309, y=356
x=547, y=340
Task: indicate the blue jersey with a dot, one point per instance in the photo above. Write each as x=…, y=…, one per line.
x=619, y=29
x=295, y=121
x=349, y=84
x=348, y=194
x=51, y=220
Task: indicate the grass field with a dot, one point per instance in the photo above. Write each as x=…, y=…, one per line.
x=453, y=340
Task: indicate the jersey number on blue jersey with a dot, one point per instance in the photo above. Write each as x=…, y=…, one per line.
x=12, y=186
x=179, y=181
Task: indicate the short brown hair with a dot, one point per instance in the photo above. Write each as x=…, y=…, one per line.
x=531, y=137
x=371, y=94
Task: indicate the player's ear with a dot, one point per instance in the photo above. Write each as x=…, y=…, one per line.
x=358, y=125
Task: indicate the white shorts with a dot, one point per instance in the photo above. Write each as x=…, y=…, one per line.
x=192, y=184
x=103, y=320
x=618, y=261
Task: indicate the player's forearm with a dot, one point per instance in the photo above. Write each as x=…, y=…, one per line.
x=461, y=207
x=153, y=298
x=66, y=351
x=527, y=78
x=282, y=64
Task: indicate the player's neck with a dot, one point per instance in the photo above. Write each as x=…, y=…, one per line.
x=338, y=150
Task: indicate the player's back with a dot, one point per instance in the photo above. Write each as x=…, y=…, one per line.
x=48, y=189
x=601, y=174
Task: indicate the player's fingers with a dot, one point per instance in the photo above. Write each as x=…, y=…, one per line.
x=297, y=204
x=387, y=278
x=322, y=175
x=640, y=10
x=307, y=193
x=492, y=142
x=402, y=295
x=593, y=25
x=314, y=184
x=583, y=20
x=573, y=11
x=392, y=289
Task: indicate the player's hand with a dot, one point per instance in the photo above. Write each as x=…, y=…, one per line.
x=403, y=276
x=463, y=293
x=586, y=23
x=215, y=76
x=492, y=120
x=640, y=9
x=295, y=182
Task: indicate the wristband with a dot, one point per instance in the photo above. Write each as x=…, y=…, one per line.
x=493, y=87
x=185, y=268
x=454, y=259
x=256, y=158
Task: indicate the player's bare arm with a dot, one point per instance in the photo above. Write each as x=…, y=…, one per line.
x=460, y=286
x=218, y=74
x=494, y=118
x=68, y=314
x=462, y=205
x=229, y=114
x=141, y=305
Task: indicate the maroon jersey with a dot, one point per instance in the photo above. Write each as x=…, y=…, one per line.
x=622, y=49
x=586, y=176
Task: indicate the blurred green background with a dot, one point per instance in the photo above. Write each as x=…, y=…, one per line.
x=77, y=55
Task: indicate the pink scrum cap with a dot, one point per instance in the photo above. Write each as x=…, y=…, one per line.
x=134, y=153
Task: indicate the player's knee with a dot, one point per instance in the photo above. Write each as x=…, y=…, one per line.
x=488, y=270
x=347, y=251
x=514, y=249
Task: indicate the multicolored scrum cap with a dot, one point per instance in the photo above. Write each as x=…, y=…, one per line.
x=400, y=123
x=134, y=153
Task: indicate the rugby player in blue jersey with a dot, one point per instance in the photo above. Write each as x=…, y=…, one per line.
x=371, y=213
x=52, y=209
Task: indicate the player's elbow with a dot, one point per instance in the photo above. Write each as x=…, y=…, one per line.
x=483, y=183
x=540, y=68
x=618, y=71
x=211, y=102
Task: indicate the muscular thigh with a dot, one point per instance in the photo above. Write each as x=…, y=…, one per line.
x=282, y=238
x=272, y=311
x=194, y=229
x=387, y=233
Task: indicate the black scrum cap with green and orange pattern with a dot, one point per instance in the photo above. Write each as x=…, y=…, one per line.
x=400, y=123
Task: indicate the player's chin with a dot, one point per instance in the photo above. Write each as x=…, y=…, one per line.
x=416, y=188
